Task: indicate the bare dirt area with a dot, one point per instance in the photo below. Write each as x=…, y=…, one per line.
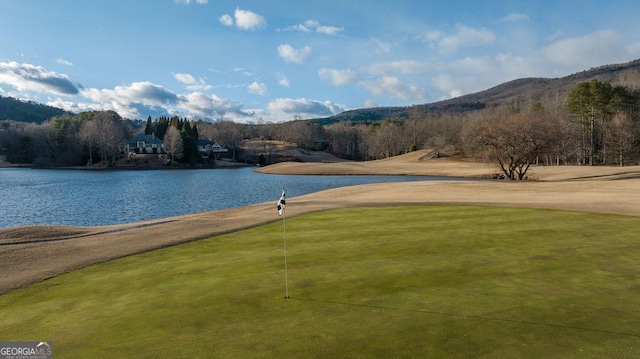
x=31, y=254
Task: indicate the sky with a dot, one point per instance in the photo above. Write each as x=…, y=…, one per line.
x=260, y=61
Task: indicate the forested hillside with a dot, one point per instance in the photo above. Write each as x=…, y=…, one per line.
x=520, y=92
x=20, y=111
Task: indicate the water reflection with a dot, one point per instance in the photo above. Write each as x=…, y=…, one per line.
x=87, y=198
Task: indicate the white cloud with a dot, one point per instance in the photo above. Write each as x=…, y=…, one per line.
x=64, y=62
x=515, y=17
x=384, y=86
x=463, y=36
x=35, y=78
x=128, y=101
x=226, y=20
x=185, y=78
x=75, y=107
x=287, y=109
x=338, y=77
x=391, y=86
x=559, y=58
x=191, y=83
x=141, y=98
x=447, y=84
x=247, y=20
x=634, y=49
x=244, y=20
x=303, y=106
x=283, y=81
x=475, y=65
x=200, y=105
x=258, y=88
x=430, y=36
x=370, y=104
x=290, y=54
x=143, y=93
x=187, y=2
x=315, y=26
x=400, y=67
x=329, y=30
x=598, y=48
x=381, y=46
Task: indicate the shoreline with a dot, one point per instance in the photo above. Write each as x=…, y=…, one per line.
x=60, y=249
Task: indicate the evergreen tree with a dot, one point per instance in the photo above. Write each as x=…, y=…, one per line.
x=161, y=127
x=175, y=122
x=190, y=145
x=591, y=102
x=148, y=129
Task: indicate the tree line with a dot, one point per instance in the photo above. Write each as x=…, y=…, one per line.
x=65, y=140
x=595, y=123
x=90, y=137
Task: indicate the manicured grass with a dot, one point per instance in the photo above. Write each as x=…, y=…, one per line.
x=402, y=282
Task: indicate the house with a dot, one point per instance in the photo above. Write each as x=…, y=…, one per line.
x=145, y=144
x=206, y=148
x=320, y=143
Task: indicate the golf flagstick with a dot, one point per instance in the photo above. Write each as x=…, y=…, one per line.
x=281, y=212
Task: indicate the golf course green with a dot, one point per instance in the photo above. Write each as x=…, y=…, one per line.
x=423, y=281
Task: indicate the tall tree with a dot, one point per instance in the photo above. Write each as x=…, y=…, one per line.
x=110, y=134
x=621, y=136
x=189, y=143
x=413, y=128
x=173, y=143
x=161, y=127
x=89, y=134
x=148, y=128
x=591, y=103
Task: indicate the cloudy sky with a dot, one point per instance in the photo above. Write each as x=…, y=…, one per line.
x=270, y=61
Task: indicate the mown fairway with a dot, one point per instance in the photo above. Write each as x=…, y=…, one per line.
x=402, y=282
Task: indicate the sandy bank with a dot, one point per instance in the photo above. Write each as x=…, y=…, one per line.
x=30, y=254
x=422, y=163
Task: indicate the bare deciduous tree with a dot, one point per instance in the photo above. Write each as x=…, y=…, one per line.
x=89, y=134
x=110, y=133
x=621, y=136
x=512, y=142
x=173, y=143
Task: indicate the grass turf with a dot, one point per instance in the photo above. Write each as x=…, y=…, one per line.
x=402, y=282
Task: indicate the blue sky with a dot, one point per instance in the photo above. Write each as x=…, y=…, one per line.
x=273, y=61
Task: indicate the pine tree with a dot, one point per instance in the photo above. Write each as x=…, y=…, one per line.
x=148, y=129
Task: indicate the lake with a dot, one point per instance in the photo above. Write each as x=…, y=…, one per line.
x=90, y=198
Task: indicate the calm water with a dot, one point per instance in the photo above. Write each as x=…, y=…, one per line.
x=87, y=198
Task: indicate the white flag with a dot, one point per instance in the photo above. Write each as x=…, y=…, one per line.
x=281, y=204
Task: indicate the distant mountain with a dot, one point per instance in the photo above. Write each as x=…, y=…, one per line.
x=525, y=90
x=20, y=111
x=520, y=91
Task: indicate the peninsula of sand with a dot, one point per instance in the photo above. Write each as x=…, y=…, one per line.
x=34, y=253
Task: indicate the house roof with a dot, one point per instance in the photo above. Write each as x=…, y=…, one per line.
x=146, y=138
x=203, y=144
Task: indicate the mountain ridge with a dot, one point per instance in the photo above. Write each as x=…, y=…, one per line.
x=533, y=89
